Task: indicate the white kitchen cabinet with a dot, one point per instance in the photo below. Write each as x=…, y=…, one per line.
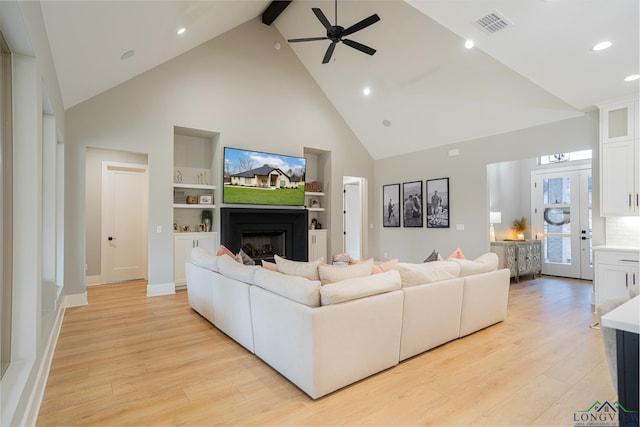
x=183, y=244
x=619, y=162
x=317, y=244
x=616, y=273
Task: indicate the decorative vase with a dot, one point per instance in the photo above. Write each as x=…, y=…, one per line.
x=207, y=224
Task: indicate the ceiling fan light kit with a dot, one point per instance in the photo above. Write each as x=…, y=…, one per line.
x=336, y=33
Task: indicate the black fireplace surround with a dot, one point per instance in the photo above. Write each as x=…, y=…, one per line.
x=234, y=222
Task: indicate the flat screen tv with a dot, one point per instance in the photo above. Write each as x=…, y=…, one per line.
x=258, y=178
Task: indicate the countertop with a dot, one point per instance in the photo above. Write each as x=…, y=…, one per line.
x=625, y=317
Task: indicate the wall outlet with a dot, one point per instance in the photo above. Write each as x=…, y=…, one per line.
x=459, y=227
x=158, y=229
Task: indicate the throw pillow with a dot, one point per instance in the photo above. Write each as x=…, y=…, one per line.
x=298, y=268
x=332, y=273
x=224, y=251
x=296, y=288
x=457, y=254
x=384, y=267
x=432, y=257
x=270, y=265
x=246, y=259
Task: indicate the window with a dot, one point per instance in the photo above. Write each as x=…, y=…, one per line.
x=565, y=157
x=6, y=213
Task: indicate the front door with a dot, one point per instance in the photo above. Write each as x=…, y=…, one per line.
x=562, y=220
x=124, y=222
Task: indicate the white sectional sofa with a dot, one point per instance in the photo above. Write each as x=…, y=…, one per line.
x=323, y=337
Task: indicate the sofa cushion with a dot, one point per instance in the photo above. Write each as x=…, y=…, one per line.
x=482, y=264
x=308, y=270
x=384, y=266
x=234, y=270
x=203, y=258
x=336, y=273
x=359, y=287
x=295, y=288
x=419, y=274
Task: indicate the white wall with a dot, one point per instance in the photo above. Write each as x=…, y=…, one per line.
x=237, y=85
x=468, y=184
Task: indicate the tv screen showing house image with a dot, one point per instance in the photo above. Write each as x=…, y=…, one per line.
x=258, y=178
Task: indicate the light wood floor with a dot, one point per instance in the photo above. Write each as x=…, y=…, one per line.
x=126, y=359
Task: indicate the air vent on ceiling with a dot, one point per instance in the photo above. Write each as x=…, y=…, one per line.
x=493, y=22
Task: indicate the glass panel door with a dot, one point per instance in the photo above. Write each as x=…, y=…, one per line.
x=562, y=220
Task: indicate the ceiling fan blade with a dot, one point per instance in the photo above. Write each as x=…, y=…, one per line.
x=362, y=24
x=361, y=47
x=327, y=55
x=323, y=19
x=308, y=39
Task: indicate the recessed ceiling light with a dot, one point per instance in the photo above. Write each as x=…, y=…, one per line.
x=632, y=77
x=469, y=44
x=128, y=54
x=181, y=30
x=386, y=123
x=602, y=46
x=366, y=91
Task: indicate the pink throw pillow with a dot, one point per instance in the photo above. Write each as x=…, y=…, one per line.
x=457, y=254
x=224, y=251
x=384, y=267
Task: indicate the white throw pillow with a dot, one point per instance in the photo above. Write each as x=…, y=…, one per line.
x=296, y=288
x=203, y=258
x=336, y=273
x=298, y=268
x=359, y=287
x=234, y=270
x=419, y=274
x=482, y=264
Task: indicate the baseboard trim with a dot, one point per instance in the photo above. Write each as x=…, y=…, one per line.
x=94, y=280
x=161, y=289
x=76, y=300
x=40, y=385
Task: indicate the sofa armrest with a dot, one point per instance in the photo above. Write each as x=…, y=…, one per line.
x=199, y=290
x=326, y=348
x=484, y=300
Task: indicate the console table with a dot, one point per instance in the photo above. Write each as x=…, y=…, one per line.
x=521, y=257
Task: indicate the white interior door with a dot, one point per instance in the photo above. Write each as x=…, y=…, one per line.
x=352, y=219
x=562, y=220
x=124, y=222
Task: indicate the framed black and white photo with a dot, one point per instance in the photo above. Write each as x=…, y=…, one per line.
x=412, y=203
x=438, y=203
x=391, y=205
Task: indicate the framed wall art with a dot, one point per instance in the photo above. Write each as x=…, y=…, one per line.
x=412, y=203
x=391, y=205
x=438, y=203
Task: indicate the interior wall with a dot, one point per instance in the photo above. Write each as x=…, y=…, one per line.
x=468, y=185
x=94, y=159
x=238, y=85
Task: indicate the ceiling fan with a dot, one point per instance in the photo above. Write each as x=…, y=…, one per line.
x=336, y=33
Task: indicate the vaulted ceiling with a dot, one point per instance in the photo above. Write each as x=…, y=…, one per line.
x=426, y=88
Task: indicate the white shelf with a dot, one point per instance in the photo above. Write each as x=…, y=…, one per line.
x=312, y=193
x=192, y=206
x=315, y=209
x=195, y=186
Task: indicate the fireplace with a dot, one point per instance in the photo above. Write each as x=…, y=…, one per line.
x=265, y=232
